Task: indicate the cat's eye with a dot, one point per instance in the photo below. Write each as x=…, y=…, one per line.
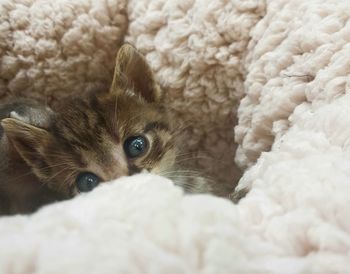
x=135, y=146
x=87, y=181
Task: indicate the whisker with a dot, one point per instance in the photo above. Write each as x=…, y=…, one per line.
x=66, y=183
x=115, y=113
x=224, y=164
x=187, y=172
x=31, y=171
x=189, y=176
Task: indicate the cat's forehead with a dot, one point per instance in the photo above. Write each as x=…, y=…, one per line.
x=88, y=120
x=127, y=109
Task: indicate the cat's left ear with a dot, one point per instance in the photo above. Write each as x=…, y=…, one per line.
x=133, y=74
x=29, y=141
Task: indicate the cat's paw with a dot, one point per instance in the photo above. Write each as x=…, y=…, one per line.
x=238, y=194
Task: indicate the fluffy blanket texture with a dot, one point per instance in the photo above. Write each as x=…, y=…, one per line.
x=285, y=59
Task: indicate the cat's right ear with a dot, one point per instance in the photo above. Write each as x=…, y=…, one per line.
x=29, y=141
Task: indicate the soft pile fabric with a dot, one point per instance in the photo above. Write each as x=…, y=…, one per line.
x=284, y=65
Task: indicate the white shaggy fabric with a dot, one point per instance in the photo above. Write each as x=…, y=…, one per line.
x=54, y=48
x=298, y=54
x=289, y=59
x=196, y=48
x=140, y=224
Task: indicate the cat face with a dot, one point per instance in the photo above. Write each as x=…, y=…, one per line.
x=102, y=135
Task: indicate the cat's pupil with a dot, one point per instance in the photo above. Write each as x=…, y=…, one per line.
x=87, y=181
x=135, y=146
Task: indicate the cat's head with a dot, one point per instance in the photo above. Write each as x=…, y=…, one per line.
x=101, y=135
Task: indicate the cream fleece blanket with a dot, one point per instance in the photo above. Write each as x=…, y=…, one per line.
x=288, y=62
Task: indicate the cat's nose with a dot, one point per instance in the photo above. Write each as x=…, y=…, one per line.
x=120, y=172
x=116, y=166
x=115, y=171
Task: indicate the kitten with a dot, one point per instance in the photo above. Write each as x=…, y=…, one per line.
x=86, y=140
